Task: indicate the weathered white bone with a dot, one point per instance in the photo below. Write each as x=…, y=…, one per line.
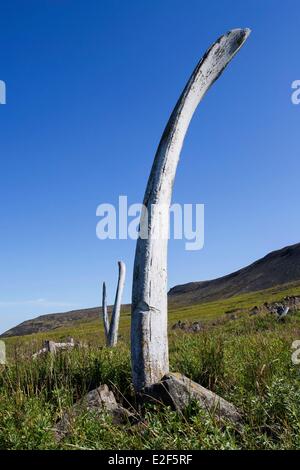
x=52, y=347
x=111, y=327
x=149, y=341
x=104, y=311
x=115, y=319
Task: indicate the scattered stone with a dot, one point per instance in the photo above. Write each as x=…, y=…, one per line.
x=194, y=327
x=177, y=325
x=254, y=311
x=177, y=391
x=292, y=302
x=282, y=313
x=99, y=400
x=232, y=310
x=233, y=316
x=280, y=309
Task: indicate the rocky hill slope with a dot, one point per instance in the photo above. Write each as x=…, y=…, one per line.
x=275, y=269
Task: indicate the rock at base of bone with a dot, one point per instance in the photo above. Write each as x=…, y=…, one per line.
x=99, y=400
x=177, y=391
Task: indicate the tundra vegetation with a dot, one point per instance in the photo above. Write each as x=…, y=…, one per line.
x=246, y=360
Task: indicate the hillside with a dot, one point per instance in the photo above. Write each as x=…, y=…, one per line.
x=54, y=321
x=280, y=269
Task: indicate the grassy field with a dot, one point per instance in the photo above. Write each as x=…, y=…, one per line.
x=247, y=361
x=91, y=331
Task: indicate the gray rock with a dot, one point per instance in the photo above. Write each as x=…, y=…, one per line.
x=233, y=316
x=254, y=311
x=196, y=326
x=177, y=391
x=288, y=304
x=177, y=325
x=187, y=327
x=99, y=400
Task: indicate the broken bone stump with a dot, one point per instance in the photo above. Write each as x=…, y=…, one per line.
x=177, y=391
x=51, y=347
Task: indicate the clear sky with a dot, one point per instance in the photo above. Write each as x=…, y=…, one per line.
x=90, y=86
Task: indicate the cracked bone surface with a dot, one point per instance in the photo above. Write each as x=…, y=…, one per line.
x=149, y=340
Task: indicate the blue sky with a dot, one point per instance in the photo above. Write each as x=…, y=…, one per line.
x=90, y=86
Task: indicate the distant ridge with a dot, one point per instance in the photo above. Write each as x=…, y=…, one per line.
x=52, y=321
x=275, y=269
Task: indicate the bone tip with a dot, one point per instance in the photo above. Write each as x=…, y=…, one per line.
x=237, y=37
x=243, y=32
x=247, y=31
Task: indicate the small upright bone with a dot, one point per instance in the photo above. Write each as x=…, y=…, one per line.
x=111, y=328
x=115, y=319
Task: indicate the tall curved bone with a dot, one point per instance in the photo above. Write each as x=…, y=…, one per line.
x=149, y=340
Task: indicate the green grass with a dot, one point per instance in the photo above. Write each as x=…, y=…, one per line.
x=247, y=361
